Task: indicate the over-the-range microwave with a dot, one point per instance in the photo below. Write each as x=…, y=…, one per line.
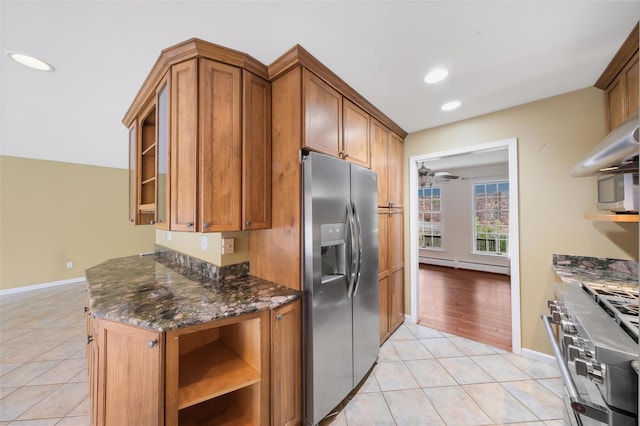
x=618, y=192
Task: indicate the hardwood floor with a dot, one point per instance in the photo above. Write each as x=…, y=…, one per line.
x=471, y=304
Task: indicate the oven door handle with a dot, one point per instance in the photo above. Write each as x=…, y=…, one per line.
x=578, y=405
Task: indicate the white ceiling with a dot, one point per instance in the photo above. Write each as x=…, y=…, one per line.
x=499, y=54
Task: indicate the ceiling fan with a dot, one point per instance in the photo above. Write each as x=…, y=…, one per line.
x=428, y=177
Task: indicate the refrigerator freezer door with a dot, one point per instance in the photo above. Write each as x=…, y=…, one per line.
x=327, y=317
x=366, y=321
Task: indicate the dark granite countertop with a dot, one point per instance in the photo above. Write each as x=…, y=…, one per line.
x=581, y=269
x=159, y=293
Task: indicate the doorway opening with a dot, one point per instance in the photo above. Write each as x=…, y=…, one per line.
x=457, y=243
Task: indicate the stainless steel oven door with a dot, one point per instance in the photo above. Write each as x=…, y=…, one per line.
x=584, y=398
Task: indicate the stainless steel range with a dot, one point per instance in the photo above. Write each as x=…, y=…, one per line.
x=596, y=344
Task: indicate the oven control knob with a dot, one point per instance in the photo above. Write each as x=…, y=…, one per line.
x=597, y=374
x=570, y=340
x=576, y=351
x=558, y=315
x=551, y=304
x=591, y=369
x=568, y=327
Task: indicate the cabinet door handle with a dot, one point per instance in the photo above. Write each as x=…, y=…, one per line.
x=278, y=317
x=189, y=224
x=248, y=223
x=86, y=309
x=152, y=343
x=204, y=225
x=89, y=339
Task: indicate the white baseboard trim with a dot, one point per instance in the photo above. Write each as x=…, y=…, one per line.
x=41, y=286
x=482, y=267
x=538, y=356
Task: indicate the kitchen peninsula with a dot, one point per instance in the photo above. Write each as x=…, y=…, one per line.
x=173, y=339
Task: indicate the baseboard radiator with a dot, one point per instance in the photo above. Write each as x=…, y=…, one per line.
x=457, y=264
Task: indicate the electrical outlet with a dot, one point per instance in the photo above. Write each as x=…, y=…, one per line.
x=203, y=242
x=169, y=236
x=227, y=246
x=69, y=265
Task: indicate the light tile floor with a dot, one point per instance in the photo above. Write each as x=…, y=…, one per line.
x=423, y=376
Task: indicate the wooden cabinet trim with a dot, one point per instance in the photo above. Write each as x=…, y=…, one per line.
x=621, y=58
x=185, y=51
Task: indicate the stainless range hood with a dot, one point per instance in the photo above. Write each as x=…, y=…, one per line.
x=616, y=148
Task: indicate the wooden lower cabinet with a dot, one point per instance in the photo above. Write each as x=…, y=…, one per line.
x=244, y=370
x=391, y=303
x=396, y=299
x=129, y=375
x=383, y=284
x=286, y=365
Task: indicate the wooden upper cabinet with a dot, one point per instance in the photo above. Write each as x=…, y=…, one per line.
x=322, y=115
x=632, y=76
x=355, y=127
x=379, y=159
x=184, y=145
x=286, y=365
x=220, y=147
x=622, y=94
x=395, y=171
x=386, y=160
x=620, y=82
x=256, y=152
x=616, y=103
x=333, y=124
x=200, y=128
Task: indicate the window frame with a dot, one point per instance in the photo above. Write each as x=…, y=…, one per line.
x=498, y=235
x=441, y=222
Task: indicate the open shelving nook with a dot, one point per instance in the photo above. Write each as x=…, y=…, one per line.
x=147, y=167
x=220, y=367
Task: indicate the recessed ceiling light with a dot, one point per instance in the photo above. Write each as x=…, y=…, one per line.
x=450, y=105
x=30, y=61
x=436, y=75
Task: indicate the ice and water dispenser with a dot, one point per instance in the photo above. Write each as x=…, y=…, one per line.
x=333, y=251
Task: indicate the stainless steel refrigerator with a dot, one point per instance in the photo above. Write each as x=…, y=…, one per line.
x=341, y=325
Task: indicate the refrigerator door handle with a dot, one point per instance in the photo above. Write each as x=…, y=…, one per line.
x=359, y=249
x=353, y=260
